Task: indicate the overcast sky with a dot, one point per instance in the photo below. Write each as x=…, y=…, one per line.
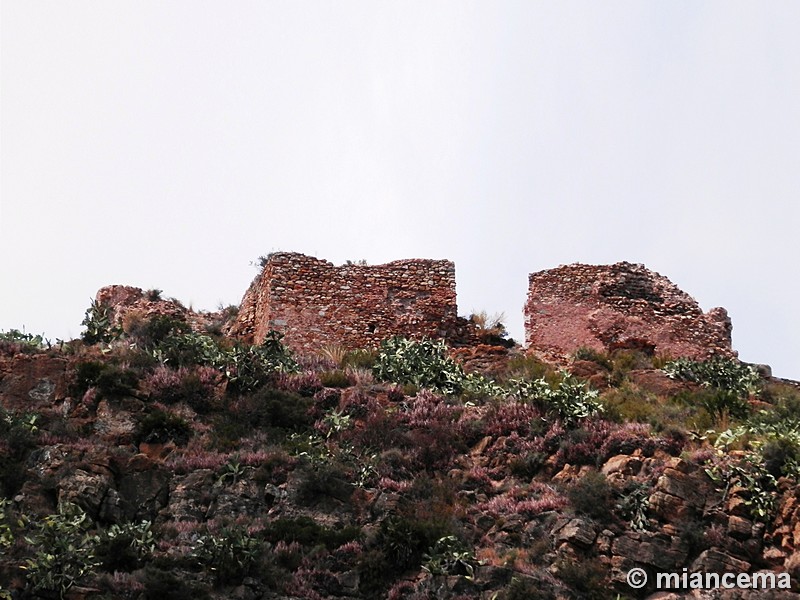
x=169, y=144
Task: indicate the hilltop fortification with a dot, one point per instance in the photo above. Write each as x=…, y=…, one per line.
x=624, y=305
x=314, y=303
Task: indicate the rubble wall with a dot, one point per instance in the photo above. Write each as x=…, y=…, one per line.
x=624, y=305
x=314, y=303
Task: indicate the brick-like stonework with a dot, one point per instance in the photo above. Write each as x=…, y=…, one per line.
x=624, y=305
x=314, y=303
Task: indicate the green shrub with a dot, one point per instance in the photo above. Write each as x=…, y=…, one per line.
x=251, y=367
x=124, y=547
x=19, y=434
x=86, y=374
x=572, y=400
x=587, y=578
x=324, y=480
x=6, y=532
x=114, y=382
x=359, y=359
x=527, y=466
x=14, y=340
x=592, y=496
x=196, y=387
x=270, y=407
x=334, y=379
x=527, y=366
x=600, y=358
x=63, y=551
x=190, y=349
x=629, y=403
x=229, y=555
x=404, y=541
x=718, y=405
x=421, y=363
x=634, y=504
x=99, y=326
x=148, y=334
x=159, y=427
x=724, y=374
x=111, y=381
x=450, y=556
x=426, y=364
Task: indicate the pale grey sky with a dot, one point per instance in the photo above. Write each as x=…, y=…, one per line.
x=170, y=143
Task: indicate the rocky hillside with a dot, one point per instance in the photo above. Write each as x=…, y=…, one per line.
x=156, y=459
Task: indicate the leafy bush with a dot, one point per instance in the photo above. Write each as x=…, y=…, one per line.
x=250, y=367
x=124, y=547
x=421, y=363
x=719, y=373
x=335, y=379
x=405, y=541
x=159, y=427
x=63, y=551
x=17, y=439
x=6, y=533
x=229, y=555
x=588, y=579
x=634, y=504
x=572, y=401
x=592, y=496
x=196, y=387
x=189, y=349
x=111, y=381
x=99, y=325
x=584, y=353
x=449, y=556
x=269, y=407
x=14, y=340
x=148, y=334
x=425, y=364
x=713, y=406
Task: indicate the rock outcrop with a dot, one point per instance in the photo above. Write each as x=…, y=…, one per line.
x=624, y=305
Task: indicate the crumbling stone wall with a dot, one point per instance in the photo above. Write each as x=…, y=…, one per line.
x=127, y=304
x=624, y=305
x=314, y=303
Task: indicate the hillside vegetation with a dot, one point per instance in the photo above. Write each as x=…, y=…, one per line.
x=152, y=462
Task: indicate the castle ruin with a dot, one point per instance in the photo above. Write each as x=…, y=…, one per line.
x=314, y=303
x=624, y=305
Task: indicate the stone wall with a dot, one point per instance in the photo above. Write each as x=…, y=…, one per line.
x=314, y=303
x=128, y=304
x=623, y=305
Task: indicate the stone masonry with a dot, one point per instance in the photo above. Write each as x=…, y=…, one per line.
x=314, y=303
x=624, y=305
